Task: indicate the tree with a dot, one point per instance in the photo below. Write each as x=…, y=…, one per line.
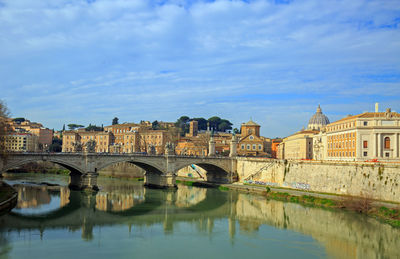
x=214, y=122
x=63, y=129
x=93, y=128
x=224, y=125
x=73, y=126
x=155, y=125
x=4, y=127
x=183, y=124
x=236, y=131
x=115, y=121
x=201, y=122
x=19, y=120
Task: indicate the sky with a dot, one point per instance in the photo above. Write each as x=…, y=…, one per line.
x=88, y=61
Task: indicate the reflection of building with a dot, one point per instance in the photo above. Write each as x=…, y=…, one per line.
x=117, y=201
x=187, y=196
x=370, y=135
x=32, y=196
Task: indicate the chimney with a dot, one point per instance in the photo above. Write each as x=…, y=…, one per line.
x=376, y=107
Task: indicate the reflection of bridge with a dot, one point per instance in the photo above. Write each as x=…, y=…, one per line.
x=157, y=207
x=160, y=170
x=344, y=235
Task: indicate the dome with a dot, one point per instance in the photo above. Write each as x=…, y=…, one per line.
x=318, y=120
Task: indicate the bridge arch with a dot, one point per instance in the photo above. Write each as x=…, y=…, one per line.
x=146, y=165
x=74, y=169
x=215, y=172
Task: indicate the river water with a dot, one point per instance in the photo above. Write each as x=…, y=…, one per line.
x=126, y=220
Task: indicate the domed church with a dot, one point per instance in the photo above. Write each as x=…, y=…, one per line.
x=318, y=120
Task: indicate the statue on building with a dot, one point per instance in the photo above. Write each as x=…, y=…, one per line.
x=169, y=148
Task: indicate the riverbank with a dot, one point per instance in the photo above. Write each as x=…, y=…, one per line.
x=8, y=198
x=383, y=211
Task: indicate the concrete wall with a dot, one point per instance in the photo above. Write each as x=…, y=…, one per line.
x=376, y=180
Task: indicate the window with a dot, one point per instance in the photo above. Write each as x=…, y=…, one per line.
x=365, y=153
x=365, y=123
x=254, y=147
x=251, y=137
x=248, y=146
x=387, y=154
x=259, y=146
x=387, y=143
x=365, y=144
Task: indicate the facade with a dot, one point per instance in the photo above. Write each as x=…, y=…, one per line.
x=366, y=136
x=70, y=141
x=45, y=136
x=21, y=142
x=250, y=141
x=274, y=147
x=297, y=146
x=127, y=139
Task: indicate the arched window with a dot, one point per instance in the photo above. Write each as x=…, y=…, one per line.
x=387, y=143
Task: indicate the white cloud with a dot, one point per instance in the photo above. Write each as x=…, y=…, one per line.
x=141, y=58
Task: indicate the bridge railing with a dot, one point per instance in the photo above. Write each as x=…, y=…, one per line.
x=115, y=154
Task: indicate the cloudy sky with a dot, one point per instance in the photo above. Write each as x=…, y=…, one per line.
x=87, y=61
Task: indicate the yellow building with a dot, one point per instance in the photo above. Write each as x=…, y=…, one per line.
x=366, y=136
x=21, y=142
x=297, y=146
x=250, y=141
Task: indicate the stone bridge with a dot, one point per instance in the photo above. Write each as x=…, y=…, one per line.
x=160, y=170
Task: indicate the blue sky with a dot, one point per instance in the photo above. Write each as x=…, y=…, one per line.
x=81, y=61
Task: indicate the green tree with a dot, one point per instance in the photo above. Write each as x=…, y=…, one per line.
x=73, y=126
x=63, y=129
x=155, y=125
x=214, y=122
x=19, y=120
x=93, y=128
x=236, y=131
x=115, y=121
x=224, y=125
x=183, y=124
x=201, y=122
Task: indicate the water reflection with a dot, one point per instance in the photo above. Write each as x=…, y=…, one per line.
x=343, y=235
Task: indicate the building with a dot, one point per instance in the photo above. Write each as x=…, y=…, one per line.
x=71, y=141
x=298, y=145
x=318, y=120
x=21, y=142
x=366, y=136
x=250, y=141
x=45, y=135
x=274, y=147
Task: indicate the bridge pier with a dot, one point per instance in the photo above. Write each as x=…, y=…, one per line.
x=161, y=181
x=83, y=182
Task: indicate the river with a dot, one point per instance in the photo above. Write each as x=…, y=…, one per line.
x=126, y=220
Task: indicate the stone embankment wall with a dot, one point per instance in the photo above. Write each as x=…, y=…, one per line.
x=367, y=179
